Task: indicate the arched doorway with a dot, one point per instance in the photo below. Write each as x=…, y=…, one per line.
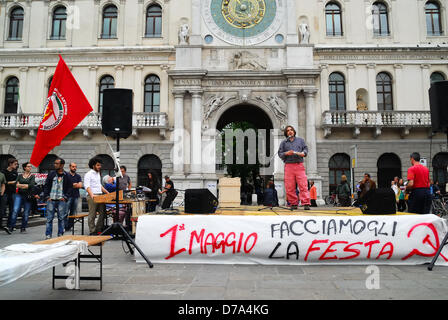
x=338, y=165
x=439, y=170
x=244, y=147
x=389, y=167
x=149, y=163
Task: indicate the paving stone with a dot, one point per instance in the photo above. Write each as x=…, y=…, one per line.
x=124, y=279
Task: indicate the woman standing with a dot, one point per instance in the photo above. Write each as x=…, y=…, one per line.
x=401, y=196
x=24, y=196
x=153, y=194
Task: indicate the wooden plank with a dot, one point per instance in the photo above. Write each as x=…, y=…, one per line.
x=91, y=240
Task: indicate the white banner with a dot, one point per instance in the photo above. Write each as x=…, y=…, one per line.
x=395, y=239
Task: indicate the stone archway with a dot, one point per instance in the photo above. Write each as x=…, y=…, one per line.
x=245, y=133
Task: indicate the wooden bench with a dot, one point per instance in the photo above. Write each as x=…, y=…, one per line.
x=78, y=218
x=82, y=258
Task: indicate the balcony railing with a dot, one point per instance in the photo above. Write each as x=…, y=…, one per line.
x=31, y=121
x=375, y=119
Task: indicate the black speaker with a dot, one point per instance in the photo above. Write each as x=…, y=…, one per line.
x=438, y=100
x=379, y=201
x=200, y=201
x=117, y=112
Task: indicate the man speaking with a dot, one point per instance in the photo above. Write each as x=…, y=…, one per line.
x=292, y=150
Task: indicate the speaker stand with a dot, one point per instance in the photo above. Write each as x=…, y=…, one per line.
x=444, y=241
x=117, y=228
x=442, y=245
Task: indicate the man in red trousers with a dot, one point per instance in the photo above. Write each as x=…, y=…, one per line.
x=292, y=151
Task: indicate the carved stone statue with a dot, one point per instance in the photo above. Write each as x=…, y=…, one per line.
x=244, y=60
x=214, y=103
x=304, y=33
x=274, y=103
x=184, y=34
x=360, y=104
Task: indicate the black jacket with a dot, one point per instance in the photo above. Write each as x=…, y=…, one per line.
x=66, y=185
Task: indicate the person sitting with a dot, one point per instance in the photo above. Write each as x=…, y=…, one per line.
x=366, y=184
x=110, y=184
x=270, y=197
x=171, y=193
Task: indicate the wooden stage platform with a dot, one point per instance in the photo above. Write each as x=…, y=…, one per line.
x=267, y=211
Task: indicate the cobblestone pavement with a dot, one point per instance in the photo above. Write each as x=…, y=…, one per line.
x=123, y=279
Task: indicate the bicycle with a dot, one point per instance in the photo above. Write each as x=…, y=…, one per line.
x=439, y=206
x=331, y=199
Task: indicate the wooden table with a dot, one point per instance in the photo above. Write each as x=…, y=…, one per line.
x=138, y=208
x=82, y=258
x=78, y=218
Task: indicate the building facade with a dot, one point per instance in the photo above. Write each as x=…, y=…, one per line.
x=351, y=76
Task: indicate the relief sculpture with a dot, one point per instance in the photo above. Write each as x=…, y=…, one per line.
x=244, y=60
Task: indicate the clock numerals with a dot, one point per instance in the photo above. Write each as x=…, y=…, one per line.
x=243, y=13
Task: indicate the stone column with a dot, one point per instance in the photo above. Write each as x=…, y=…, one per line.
x=121, y=22
x=26, y=25
x=23, y=89
x=71, y=23
x=311, y=131
x=196, y=134
x=311, y=158
x=96, y=24
x=119, y=76
x=141, y=15
x=292, y=36
x=138, y=86
x=92, y=85
x=195, y=37
x=178, y=134
x=373, y=101
x=2, y=88
x=293, y=109
x=3, y=20
x=351, y=91
x=324, y=91
x=44, y=92
x=426, y=84
x=398, y=86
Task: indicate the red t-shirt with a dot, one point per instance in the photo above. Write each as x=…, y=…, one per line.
x=420, y=174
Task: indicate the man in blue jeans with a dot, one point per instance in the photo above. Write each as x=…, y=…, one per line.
x=72, y=202
x=57, y=190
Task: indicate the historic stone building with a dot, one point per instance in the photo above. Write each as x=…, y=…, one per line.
x=351, y=76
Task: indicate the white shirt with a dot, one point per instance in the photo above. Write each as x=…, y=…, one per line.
x=92, y=180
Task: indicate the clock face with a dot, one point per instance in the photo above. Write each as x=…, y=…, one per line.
x=243, y=22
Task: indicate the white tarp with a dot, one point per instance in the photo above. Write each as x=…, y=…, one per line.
x=22, y=260
x=394, y=239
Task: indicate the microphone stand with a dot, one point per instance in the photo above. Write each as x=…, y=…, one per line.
x=117, y=229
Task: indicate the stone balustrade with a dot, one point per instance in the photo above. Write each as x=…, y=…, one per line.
x=30, y=121
x=375, y=119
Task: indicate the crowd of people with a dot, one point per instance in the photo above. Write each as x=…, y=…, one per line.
x=415, y=195
x=60, y=193
x=61, y=190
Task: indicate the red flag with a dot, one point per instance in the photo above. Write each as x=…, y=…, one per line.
x=66, y=107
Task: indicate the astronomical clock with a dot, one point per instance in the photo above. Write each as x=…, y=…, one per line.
x=242, y=22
